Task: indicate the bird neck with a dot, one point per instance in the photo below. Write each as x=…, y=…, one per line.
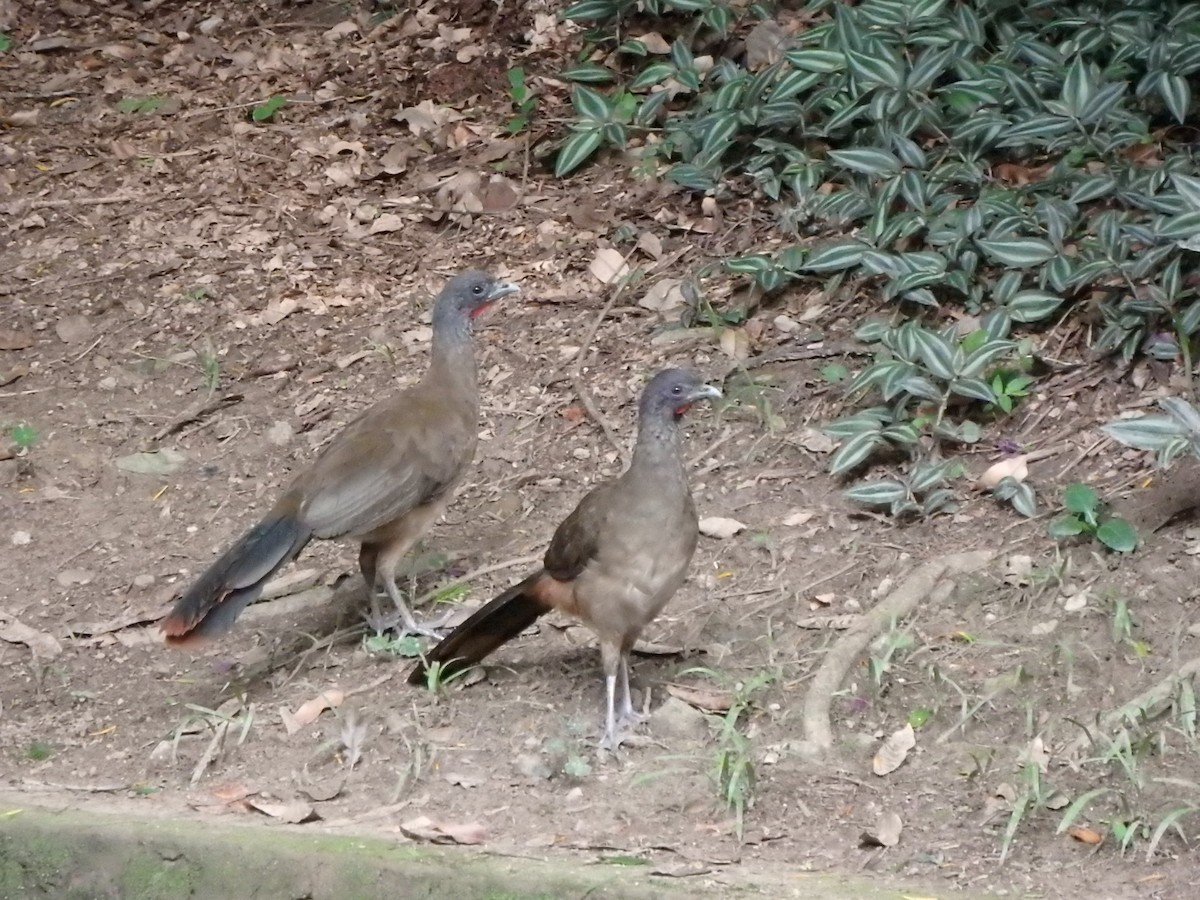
x=452, y=355
x=657, y=442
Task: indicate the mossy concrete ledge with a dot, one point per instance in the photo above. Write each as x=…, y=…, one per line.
x=75, y=854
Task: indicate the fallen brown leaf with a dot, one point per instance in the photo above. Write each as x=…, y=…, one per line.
x=424, y=828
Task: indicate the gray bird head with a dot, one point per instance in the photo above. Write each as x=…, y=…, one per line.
x=673, y=391
x=470, y=293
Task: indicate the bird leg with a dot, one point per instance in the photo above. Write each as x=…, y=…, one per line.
x=630, y=717
x=610, y=660
x=405, y=615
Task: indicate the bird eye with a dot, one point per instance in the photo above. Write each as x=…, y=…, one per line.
x=477, y=289
x=678, y=389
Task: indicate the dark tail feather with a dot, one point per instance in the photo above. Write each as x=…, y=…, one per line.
x=490, y=626
x=212, y=604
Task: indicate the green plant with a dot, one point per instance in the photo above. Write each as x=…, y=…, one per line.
x=922, y=491
x=6, y=42
x=263, y=112
x=523, y=100
x=23, y=435
x=1009, y=388
x=140, y=104
x=1085, y=514
x=210, y=367
x=409, y=646
x=437, y=679
x=885, y=649
x=38, y=751
x=601, y=120
x=1169, y=436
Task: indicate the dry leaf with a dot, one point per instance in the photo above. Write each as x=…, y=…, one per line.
x=310, y=711
x=1085, y=835
x=894, y=751
x=708, y=699
x=664, y=296
x=797, y=518
x=424, y=828
x=734, y=343
x=886, y=832
x=44, y=646
x=73, y=329
x=387, y=223
x=720, y=527
x=293, y=813
x=608, y=265
x=15, y=340
x=1014, y=467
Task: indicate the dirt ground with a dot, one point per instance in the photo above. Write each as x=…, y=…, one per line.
x=192, y=302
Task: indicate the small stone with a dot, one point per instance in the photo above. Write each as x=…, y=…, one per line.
x=280, y=434
x=786, y=324
x=143, y=581
x=581, y=453
x=107, y=383
x=72, y=577
x=676, y=719
x=21, y=538
x=532, y=765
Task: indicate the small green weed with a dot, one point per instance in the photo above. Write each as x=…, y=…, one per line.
x=263, y=112
x=1085, y=515
x=523, y=100
x=39, y=751
x=23, y=435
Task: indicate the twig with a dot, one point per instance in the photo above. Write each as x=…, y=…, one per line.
x=585, y=397
x=1083, y=455
x=480, y=572
x=590, y=335
x=80, y=201
x=210, y=754
x=195, y=414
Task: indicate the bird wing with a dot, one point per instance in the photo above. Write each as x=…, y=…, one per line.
x=398, y=456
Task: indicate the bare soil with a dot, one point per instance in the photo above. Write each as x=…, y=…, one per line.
x=175, y=276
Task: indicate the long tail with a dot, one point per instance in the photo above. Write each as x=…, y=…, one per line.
x=212, y=604
x=490, y=626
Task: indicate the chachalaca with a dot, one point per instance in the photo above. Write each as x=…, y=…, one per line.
x=614, y=562
x=382, y=481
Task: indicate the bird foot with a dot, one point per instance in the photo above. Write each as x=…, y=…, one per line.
x=381, y=622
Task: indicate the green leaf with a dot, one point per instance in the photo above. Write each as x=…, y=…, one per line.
x=1182, y=412
x=853, y=452
x=1022, y=253
x=1144, y=432
x=1117, y=534
x=824, y=62
x=1019, y=494
x=835, y=257
x=1077, y=87
x=576, y=150
x=589, y=72
x=592, y=10
x=652, y=75
x=1080, y=499
x=871, y=69
x=5, y=42
x=1033, y=306
x=877, y=493
x=265, y=110
x=691, y=177
x=936, y=353
x=868, y=161
x=1176, y=94
x=1065, y=527
x=1188, y=187
x=590, y=104
x=973, y=388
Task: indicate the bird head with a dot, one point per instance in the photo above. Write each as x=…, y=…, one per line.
x=471, y=293
x=673, y=391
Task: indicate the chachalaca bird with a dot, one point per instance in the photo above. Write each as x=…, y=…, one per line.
x=614, y=562
x=382, y=481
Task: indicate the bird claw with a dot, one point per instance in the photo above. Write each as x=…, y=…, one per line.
x=381, y=622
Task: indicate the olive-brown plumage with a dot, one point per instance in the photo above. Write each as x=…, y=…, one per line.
x=614, y=562
x=382, y=481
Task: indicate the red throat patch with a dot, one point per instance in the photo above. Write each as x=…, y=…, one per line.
x=681, y=410
x=480, y=310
